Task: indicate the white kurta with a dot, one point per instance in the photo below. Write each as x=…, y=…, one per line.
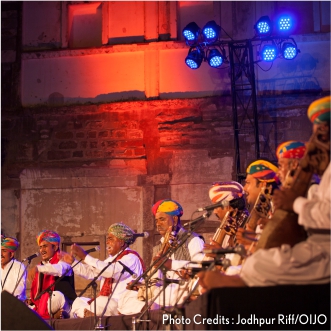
x=307, y=262
x=129, y=303
x=13, y=277
x=91, y=269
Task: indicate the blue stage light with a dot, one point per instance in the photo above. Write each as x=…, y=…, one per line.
x=211, y=31
x=215, y=59
x=194, y=58
x=263, y=26
x=191, y=33
x=289, y=51
x=269, y=53
x=284, y=24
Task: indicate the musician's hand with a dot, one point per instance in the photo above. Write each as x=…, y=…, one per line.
x=64, y=256
x=262, y=222
x=134, y=288
x=212, y=245
x=78, y=252
x=241, y=236
x=31, y=273
x=284, y=199
x=167, y=264
x=214, y=279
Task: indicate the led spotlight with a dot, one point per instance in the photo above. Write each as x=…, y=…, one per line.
x=289, y=51
x=269, y=53
x=215, y=59
x=191, y=33
x=263, y=26
x=284, y=24
x=194, y=58
x=211, y=32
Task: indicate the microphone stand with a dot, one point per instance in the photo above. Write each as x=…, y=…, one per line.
x=24, y=271
x=98, y=325
x=94, y=285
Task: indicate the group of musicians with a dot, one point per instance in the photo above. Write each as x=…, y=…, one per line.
x=301, y=203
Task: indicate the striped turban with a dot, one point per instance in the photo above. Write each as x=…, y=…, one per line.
x=49, y=236
x=9, y=243
x=319, y=110
x=122, y=232
x=291, y=150
x=170, y=207
x=262, y=170
x=225, y=191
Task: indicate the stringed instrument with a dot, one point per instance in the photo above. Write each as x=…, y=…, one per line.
x=283, y=227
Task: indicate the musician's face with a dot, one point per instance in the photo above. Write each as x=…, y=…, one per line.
x=6, y=256
x=220, y=212
x=114, y=245
x=324, y=130
x=252, y=190
x=284, y=166
x=47, y=250
x=163, y=221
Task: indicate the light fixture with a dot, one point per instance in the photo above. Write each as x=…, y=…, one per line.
x=191, y=33
x=284, y=24
x=263, y=26
x=215, y=59
x=211, y=32
x=194, y=58
x=269, y=53
x=289, y=51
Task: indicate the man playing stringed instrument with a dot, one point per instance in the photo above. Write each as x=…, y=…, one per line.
x=167, y=214
x=307, y=262
x=259, y=186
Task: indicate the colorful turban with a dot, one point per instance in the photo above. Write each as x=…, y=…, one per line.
x=225, y=191
x=319, y=110
x=262, y=170
x=291, y=150
x=170, y=207
x=49, y=236
x=122, y=232
x=9, y=243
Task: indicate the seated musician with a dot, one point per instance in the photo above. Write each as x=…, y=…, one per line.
x=119, y=237
x=45, y=274
x=167, y=215
x=289, y=155
x=307, y=262
x=12, y=280
x=236, y=213
x=260, y=178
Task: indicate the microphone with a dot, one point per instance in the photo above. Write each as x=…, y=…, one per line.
x=175, y=281
x=221, y=204
x=240, y=249
x=127, y=269
x=29, y=258
x=94, y=249
x=200, y=218
x=144, y=235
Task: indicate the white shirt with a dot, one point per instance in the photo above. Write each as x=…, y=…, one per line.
x=58, y=269
x=93, y=266
x=307, y=262
x=14, y=269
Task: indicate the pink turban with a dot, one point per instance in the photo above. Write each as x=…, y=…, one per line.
x=49, y=236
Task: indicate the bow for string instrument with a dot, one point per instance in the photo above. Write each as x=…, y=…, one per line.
x=283, y=227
